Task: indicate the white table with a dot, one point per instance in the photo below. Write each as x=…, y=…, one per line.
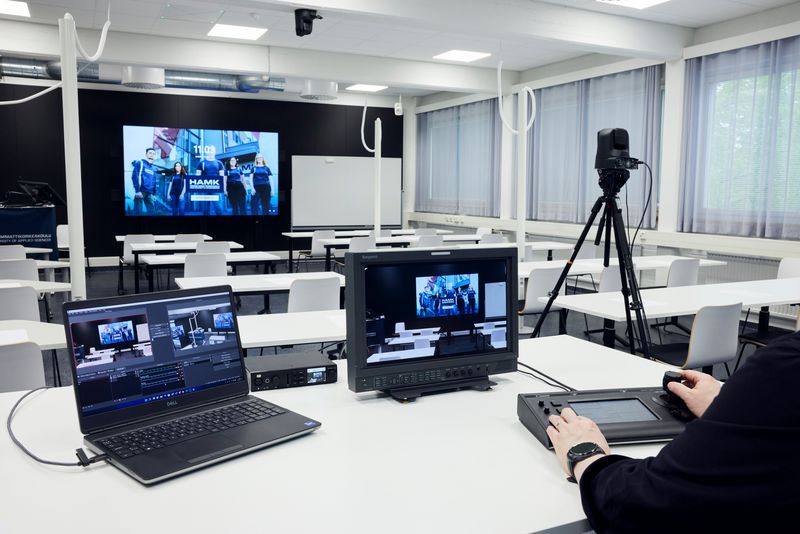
x=160, y=237
x=255, y=284
x=38, y=250
x=687, y=300
x=48, y=336
x=410, y=467
x=594, y=266
x=41, y=286
x=153, y=262
x=163, y=248
x=270, y=330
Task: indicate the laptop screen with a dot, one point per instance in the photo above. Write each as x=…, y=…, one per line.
x=136, y=351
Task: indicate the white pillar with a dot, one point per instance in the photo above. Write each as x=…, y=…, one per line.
x=378, y=140
x=522, y=159
x=72, y=156
x=671, y=146
x=409, y=158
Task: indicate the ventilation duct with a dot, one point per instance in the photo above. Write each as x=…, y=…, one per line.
x=143, y=77
x=319, y=90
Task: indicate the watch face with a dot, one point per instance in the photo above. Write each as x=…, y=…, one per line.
x=583, y=448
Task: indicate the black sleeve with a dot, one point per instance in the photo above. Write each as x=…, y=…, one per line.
x=734, y=469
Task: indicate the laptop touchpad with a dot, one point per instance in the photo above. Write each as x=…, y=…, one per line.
x=206, y=448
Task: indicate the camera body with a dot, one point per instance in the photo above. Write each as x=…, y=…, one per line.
x=304, y=21
x=612, y=160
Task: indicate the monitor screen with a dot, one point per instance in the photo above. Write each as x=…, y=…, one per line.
x=419, y=310
x=199, y=172
x=118, y=332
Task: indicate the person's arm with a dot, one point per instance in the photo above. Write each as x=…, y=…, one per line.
x=136, y=177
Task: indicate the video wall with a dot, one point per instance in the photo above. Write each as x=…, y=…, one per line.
x=199, y=172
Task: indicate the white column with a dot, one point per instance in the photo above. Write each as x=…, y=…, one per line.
x=72, y=156
x=522, y=160
x=671, y=146
x=378, y=140
x=409, y=157
x=507, y=176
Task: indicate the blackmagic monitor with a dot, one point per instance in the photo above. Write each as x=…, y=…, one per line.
x=423, y=321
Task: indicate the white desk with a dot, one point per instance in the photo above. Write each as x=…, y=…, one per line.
x=270, y=330
x=160, y=237
x=38, y=250
x=48, y=336
x=594, y=266
x=154, y=262
x=410, y=467
x=163, y=248
x=255, y=284
x=41, y=286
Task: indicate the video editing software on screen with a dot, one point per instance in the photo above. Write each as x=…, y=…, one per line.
x=136, y=353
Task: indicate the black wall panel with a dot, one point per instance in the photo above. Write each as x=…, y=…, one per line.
x=32, y=147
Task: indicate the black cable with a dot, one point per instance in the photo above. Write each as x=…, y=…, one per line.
x=555, y=383
x=83, y=460
x=627, y=216
x=646, y=204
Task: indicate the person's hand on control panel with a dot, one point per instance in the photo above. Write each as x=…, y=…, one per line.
x=569, y=429
x=698, y=390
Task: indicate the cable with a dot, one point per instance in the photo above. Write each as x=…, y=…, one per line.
x=83, y=460
x=646, y=204
x=555, y=383
x=363, y=119
x=529, y=92
x=29, y=98
x=101, y=46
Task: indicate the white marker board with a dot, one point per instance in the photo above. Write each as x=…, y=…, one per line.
x=329, y=191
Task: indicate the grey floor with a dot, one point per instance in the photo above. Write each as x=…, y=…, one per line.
x=102, y=282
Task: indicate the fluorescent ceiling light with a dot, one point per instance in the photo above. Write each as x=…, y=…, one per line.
x=367, y=88
x=636, y=4
x=236, y=32
x=464, y=56
x=11, y=7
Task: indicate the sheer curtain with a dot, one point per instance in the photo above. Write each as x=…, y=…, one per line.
x=562, y=181
x=741, y=173
x=458, y=160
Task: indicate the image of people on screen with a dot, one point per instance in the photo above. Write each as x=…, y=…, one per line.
x=450, y=295
x=108, y=341
x=199, y=172
x=116, y=333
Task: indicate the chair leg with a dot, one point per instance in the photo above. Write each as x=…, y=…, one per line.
x=586, y=321
x=56, y=371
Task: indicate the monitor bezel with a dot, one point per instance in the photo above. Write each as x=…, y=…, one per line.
x=357, y=352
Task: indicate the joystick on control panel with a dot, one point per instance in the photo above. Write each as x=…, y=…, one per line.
x=669, y=400
x=671, y=376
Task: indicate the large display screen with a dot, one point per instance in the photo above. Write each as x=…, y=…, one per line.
x=199, y=172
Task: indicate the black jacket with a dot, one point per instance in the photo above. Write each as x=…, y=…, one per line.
x=736, y=469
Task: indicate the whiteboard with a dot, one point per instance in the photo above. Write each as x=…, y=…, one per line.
x=330, y=191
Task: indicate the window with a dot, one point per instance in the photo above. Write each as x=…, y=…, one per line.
x=458, y=160
x=562, y=181
x=741, y=173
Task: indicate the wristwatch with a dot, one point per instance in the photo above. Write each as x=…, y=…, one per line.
x=579, y=452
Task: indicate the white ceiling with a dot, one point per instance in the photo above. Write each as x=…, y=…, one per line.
x=356, y=27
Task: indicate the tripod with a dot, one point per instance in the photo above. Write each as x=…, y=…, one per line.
x=611, y=181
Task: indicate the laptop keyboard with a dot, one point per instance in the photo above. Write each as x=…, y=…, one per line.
x=189, y=427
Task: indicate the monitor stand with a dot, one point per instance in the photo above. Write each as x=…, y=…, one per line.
x=411, y=393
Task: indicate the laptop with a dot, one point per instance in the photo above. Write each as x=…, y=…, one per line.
x=160, y=383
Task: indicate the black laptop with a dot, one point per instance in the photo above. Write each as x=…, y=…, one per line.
x=160, y=383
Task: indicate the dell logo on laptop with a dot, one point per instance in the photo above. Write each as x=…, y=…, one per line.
x=172, y=403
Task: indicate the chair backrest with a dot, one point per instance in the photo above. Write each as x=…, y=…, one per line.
x=789, y=268
x=498, y=336
x=715, y=335
x=610, y=280
x=189, y=238
x=540, y=283
x=361, y=244
x=127, y=255
x=423, y=343
x=62, y=236
x=12, y=252
x=483, y=230
x=425, y=231
x=317, y=248
x=399, y=327
x=19, y=269
x=683, y=272
x=213, y=247
x=21, y=367
x=493, y=238
x=19, y=303
x=314, y=294
x=205, y=265
x=429, y=241
x=587, y=251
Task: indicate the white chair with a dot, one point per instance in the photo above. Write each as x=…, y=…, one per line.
x=189, y=238
x=423, y=343
x=425, y=231
x=539, y=284
x=317, y=251
x=483, y=230
x=610, y=281
x=62, y=243
x=429, y=241
x=12, y=252
x=19, y=303
x=127, y=254
x=498, y=337
x=492, y=238
x=357, y=244
x=23, y=270
x=21, y=367
x=682, y=272
x=586, y=252
x=399, y=328
x=213, y=247
x=714, y=339
x=205, y=265
x=315, y=294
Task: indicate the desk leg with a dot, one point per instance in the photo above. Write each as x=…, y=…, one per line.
x=56, y=371
x=135, y=272
x=327, y=258
x=609, y=333
x=291, y=254
x=150, y=278
x=562, y=321
x=763, y=320
x=266, y=305
x=550, y=255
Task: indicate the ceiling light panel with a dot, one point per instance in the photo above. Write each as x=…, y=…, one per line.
x=236, y=32
x=12, y=7
x=366, y=88
x=636, y=4
x=464, y=56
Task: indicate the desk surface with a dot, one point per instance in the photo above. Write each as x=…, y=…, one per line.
x=166, y=247
x=38, y=250
x=271, y=329
x=231, y=257
x=46, y=335
x=357, y=233
x=254, y=282
x=594, y=266
x=47, y=264
x=409, y=467
x=687, y=300
x=43, y=286
x=161, y=237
